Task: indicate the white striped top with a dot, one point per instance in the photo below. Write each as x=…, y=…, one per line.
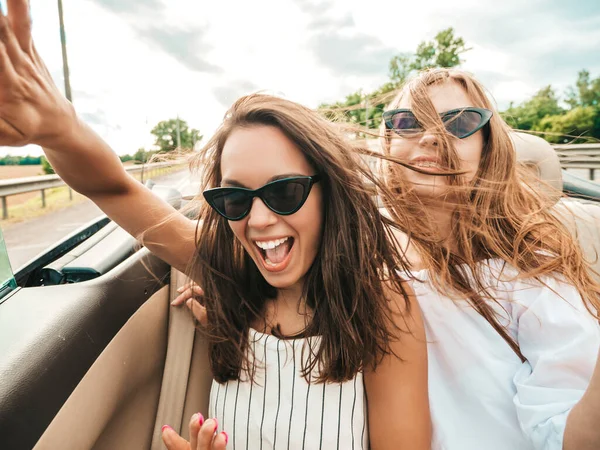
x=282, y=411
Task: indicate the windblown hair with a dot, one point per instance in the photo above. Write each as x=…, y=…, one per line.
x=348, y=286
x=503, y=212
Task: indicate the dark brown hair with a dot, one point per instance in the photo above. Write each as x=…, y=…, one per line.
x=348, y=285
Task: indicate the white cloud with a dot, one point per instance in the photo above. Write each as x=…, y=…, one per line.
x=136, y=62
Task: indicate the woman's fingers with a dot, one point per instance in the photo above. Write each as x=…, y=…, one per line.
x=32, y=109
x=41, y=67
x=193, y=286
x=186, y=292
x=220, y=441
x=206, y=435
x=182, y=297
x=196, y=423
x=173, y=441
x=20, y=20
x=8, y=81
x=7, y=50
x=198, y=311
x=10, y=42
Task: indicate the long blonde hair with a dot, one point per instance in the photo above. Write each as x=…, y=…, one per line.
x=501, y=213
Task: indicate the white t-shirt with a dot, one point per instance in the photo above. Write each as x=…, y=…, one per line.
x=282, y=411
x=481, y=395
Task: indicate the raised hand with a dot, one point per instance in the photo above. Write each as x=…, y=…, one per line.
x=32, y=109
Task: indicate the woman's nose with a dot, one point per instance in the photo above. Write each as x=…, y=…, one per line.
x=260, y=216
x=428, y=138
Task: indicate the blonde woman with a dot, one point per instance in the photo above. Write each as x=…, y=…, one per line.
x=509, y=305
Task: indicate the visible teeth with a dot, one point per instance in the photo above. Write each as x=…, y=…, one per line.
x=426, y=164
x=266, y=245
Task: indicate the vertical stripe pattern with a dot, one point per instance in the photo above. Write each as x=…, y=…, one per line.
x=281, y=410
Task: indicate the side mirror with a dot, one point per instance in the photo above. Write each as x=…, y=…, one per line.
x=7, y=280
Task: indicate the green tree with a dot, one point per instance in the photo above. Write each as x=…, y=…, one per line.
x=142, y=156
x=443, y=51
x=46, y=166
x=30, y=160
x=578, y=122
x=586, y=91
x=365, y=109
x=10, y=160
x=125, y=158
x=400, y=69
x=167, y=132
x=528, y=115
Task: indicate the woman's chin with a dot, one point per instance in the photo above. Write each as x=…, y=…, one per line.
x=430, y=189
x=280, y=280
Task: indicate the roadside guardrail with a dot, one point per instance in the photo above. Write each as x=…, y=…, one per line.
x=15, y=186
x=580, y=156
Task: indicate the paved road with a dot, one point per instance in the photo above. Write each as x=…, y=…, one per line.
x=27, y=239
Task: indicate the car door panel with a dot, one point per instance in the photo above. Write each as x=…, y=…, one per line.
x=51, y=335
x=120, y=392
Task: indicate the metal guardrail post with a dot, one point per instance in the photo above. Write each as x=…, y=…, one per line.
x=4, y=209
x=43, y=198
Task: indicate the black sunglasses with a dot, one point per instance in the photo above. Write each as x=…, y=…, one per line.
x=461, y=122
x=283, y=197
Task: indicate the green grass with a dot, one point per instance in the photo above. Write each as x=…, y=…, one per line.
x=57, y=198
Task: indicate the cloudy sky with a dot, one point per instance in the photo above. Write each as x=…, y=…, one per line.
x=136, y=62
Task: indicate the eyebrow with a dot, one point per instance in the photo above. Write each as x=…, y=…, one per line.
x=235, y=183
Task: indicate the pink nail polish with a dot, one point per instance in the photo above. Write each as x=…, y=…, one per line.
x=226, y=436
x=216, y=423
x=200, y=419
x=164, y=428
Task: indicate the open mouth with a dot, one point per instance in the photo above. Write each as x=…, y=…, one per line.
x=428, y=167
x=275, y=254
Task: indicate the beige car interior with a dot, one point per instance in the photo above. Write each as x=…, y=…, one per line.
x=581, y=217
x=155, y=370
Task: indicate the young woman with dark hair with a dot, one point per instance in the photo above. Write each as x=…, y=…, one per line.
x=308, y=316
